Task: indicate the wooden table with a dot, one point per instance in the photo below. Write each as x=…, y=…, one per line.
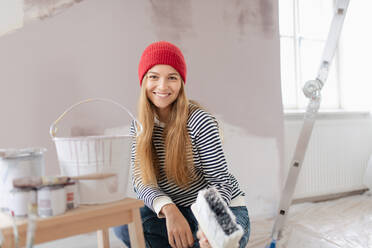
x=85, y=218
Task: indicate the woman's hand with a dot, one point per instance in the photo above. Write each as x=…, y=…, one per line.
x=203, y=241
x=179, y=232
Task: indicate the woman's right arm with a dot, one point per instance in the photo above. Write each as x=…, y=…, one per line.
x=179, y=232
x=152, y=196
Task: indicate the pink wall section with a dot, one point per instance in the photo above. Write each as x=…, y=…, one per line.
x=93, y=48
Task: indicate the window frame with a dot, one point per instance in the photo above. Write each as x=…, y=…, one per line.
x=297, y=37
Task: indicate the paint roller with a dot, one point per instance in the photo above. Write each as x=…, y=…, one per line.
x=216, y=219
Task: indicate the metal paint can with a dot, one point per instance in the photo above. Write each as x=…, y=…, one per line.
x=20, y=199
x=51, y=200
x=71, y=195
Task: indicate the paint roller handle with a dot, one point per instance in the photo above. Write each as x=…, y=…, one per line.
x=53, y=128
x=65, y=179
x=94, y=176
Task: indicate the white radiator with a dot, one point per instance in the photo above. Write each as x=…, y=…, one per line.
x=337, y=155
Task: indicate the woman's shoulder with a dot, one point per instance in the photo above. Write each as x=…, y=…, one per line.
x=196, y=111
x=199, y=117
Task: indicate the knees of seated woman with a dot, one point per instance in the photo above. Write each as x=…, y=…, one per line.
x=155, y=231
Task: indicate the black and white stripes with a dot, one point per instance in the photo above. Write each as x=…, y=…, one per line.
x=209, y=160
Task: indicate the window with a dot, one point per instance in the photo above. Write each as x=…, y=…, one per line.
x=304, y=26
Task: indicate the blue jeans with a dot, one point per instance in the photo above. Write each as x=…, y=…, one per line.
x=155, y=230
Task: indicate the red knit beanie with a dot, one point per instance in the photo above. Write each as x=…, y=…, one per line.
x=162, y=53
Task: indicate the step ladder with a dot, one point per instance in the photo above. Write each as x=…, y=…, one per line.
x=311, y=90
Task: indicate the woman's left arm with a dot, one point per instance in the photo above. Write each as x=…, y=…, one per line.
x=212, y=157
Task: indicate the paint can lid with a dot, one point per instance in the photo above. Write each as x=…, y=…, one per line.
x=23, y=189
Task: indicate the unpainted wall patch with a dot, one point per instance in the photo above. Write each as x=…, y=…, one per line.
x=171, y=19
x=250, y=17
x=45, y=8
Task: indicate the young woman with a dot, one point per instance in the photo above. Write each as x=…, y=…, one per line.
x=178, y=154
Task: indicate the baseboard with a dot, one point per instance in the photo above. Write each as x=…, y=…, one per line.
x=328, y=197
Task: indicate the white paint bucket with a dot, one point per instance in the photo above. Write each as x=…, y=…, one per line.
x=15, y=163
x=96, y=154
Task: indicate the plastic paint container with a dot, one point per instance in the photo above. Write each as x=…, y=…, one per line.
x=72, y=197
x=15, y=163
x=51, y=200
x=19, y=200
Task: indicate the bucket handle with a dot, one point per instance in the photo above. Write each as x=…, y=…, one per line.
x=53, y=128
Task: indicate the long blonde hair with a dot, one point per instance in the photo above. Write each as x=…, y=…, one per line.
x=178, y=150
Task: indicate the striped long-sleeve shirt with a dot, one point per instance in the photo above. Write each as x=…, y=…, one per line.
x=209, y=161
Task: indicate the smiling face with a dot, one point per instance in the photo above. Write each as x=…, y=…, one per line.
x=163, y=83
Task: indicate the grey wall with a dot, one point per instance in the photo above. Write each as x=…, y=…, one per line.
x=93, y=49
